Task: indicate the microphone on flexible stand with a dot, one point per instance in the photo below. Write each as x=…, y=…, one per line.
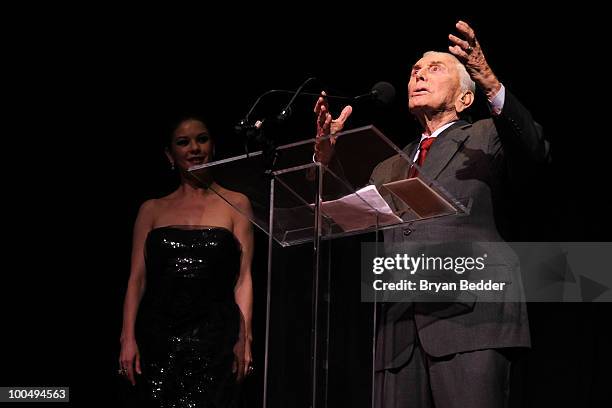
x=255, y=131
x=382, y=93
x=245, y=124
x=251, y=131
x=286, y=112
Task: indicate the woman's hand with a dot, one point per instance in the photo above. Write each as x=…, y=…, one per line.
x=242, y=358
x=129, y=360
x=242, y=353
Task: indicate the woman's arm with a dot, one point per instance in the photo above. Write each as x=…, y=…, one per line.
x=243, y=291
x=129, y=359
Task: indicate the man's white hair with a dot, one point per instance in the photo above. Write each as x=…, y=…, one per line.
x=464, y=78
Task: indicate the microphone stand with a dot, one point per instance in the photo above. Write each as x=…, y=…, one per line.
x=255, y=132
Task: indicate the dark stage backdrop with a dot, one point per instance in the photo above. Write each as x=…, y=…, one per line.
x=95, y=99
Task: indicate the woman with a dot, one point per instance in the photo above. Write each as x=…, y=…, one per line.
x=186, y=336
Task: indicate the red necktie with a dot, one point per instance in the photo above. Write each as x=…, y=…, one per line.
x=423, y=149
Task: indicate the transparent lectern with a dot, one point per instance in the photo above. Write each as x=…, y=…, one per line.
x=295, y=200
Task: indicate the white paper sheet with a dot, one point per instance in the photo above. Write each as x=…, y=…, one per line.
x=360, y=210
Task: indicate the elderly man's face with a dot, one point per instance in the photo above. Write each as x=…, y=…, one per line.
x=434, y=84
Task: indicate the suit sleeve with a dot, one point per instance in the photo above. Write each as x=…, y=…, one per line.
x=519, y=136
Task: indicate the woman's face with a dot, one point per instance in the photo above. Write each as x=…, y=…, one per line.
x=191, y=145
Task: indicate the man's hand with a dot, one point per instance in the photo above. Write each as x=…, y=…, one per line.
x=327, y=126
x=469, y=52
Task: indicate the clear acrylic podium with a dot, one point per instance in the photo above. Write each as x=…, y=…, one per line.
x=296, y=201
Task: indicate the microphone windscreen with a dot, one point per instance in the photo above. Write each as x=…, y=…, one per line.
x=384, y=92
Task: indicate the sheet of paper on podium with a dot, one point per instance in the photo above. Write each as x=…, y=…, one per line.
x=360, y=210
x=367, y=208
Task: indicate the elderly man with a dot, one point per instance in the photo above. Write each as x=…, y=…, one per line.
x=424, y=356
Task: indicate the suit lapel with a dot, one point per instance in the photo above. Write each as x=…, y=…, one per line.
x=410, y=151
x=442, y=151
x=445, y=147
x=399, y=171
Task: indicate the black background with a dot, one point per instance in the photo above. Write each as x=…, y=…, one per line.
x=91, y=91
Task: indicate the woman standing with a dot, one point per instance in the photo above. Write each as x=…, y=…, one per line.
x=186, y=337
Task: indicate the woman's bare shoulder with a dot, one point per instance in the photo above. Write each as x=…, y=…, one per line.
x=153, y=207
x=234, y=197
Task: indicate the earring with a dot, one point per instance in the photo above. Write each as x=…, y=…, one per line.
x=171, y=165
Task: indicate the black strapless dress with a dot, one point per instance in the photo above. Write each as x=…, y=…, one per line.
x=188, y=321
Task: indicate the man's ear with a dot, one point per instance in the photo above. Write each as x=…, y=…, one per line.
x=464, y=101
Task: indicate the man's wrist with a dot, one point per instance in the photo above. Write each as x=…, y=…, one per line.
x=490, y=85
x=496, y=103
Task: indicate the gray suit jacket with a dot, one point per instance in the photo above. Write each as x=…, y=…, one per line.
x=470, y=161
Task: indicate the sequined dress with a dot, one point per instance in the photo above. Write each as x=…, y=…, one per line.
x=188, y=321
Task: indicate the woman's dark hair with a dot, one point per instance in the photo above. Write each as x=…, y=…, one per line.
x=176, y=122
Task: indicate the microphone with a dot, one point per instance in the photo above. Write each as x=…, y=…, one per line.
x=253, y=132
x=244, y=123
x=382, y=93
x=286, y=112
